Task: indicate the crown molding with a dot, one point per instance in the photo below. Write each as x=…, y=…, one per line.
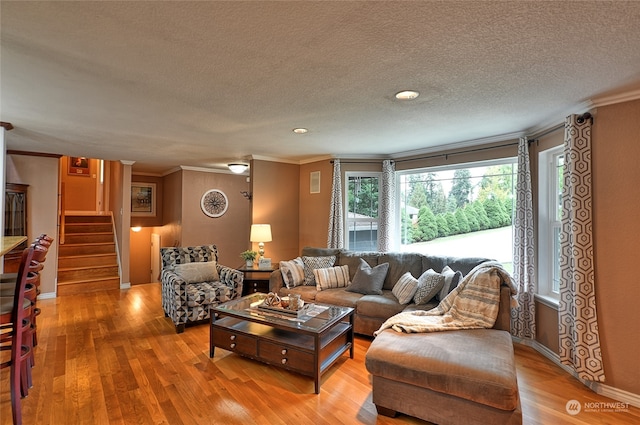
x=616, y=98
x=273, y=159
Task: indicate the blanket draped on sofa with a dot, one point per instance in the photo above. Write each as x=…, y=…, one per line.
x=473, y=304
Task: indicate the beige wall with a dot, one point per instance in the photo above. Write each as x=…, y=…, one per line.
x=616, y=230
x=276, y=202
x=41, y=174
x=230, y=232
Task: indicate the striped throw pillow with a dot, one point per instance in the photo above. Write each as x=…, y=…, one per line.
x=405, y=288
x=292, y=272
x=331, y=277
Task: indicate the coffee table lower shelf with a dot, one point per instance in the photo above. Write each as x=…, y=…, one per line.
x=307, y=354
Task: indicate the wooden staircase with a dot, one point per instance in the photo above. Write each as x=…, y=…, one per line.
x=87, y=260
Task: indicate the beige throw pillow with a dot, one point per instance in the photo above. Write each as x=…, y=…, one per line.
x=405, y=288
x=198, y=272
x=331, y=277
x=292, y=272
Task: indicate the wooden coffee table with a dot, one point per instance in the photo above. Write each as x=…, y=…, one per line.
x=308, y=345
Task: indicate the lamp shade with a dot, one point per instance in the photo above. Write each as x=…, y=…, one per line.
x=260, y=233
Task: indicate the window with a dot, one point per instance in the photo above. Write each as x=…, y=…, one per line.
x=550, y=183
x=363, y=198
x=460, y=211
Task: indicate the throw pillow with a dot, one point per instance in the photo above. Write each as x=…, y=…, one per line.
x=368, y=280
x=312, y=263
x=198, y=272
x=331, y=277
x=405, y=288
x=428, y=286
x=451, y=280
x=292, y=272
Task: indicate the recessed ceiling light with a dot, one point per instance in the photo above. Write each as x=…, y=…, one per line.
x=407, y=95
x=300, y=130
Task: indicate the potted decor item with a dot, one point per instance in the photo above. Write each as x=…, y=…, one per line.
x=249, y=257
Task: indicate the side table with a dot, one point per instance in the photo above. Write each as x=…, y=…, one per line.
x=255, y=280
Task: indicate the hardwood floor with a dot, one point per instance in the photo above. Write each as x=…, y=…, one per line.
x=111, y=357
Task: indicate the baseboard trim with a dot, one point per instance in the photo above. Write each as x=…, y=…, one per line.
x=596, y=387
x=125, y=285
x=46, y=295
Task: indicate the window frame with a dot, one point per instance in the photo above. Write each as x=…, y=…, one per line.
x=549, y=221
x=347, y=220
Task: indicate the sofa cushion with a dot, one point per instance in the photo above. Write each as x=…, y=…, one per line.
x=307, y=293
x=311, y=263
x=352, y=259
x=476, y=365
x=399, y=264
x=205, y=293
x=338, y=296
x=369, y=280
x=292, y=272
x=197, y=272
x=405, y=288
x=429, y=283
x=331, y=277
x=383, y=306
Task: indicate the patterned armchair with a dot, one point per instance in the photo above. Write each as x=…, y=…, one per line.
x=190, y=286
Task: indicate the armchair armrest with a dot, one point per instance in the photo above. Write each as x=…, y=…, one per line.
x=174, y=290
x=275, y=281
x=231, y=278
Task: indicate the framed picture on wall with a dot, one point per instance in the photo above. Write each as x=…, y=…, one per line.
x=143, y=199
x=78, y=166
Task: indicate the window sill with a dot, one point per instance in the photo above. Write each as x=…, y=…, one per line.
x=548, y=301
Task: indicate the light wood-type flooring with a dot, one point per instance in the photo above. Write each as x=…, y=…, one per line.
x=111, y=357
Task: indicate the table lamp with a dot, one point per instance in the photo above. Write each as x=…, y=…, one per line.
x=260, y=233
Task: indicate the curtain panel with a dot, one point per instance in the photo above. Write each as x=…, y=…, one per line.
x=386, y=206
x=335, y=238
x=578, y=320
x=523, y=324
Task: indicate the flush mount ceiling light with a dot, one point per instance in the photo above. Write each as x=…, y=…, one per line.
x=407, y=95
x=238, y=168
x=300, y=130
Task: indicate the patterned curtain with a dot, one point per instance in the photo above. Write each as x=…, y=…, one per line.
x=579, y=336
x=335, y=237
x=523, y=324
x=386, y=207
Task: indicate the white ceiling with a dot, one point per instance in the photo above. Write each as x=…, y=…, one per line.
x=204, y=83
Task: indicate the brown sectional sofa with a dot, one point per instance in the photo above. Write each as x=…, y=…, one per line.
x=451, y=377
x=372, y=310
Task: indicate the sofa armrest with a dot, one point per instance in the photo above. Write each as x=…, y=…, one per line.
x=503, y=321
x=275, y=281
x=232, y=278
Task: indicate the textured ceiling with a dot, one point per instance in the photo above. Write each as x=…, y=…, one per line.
x=203, y=83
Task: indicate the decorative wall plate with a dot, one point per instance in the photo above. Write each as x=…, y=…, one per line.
x=214, y=203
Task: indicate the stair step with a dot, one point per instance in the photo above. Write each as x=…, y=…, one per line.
x=88, y=285
x=71, y=228
x=73, y=261
x=87, y=219
x=78, y=238
x=83, y=273
x=86, y=249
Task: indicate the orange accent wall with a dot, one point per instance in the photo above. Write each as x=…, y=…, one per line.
x=140, y=251
x=80, y=191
